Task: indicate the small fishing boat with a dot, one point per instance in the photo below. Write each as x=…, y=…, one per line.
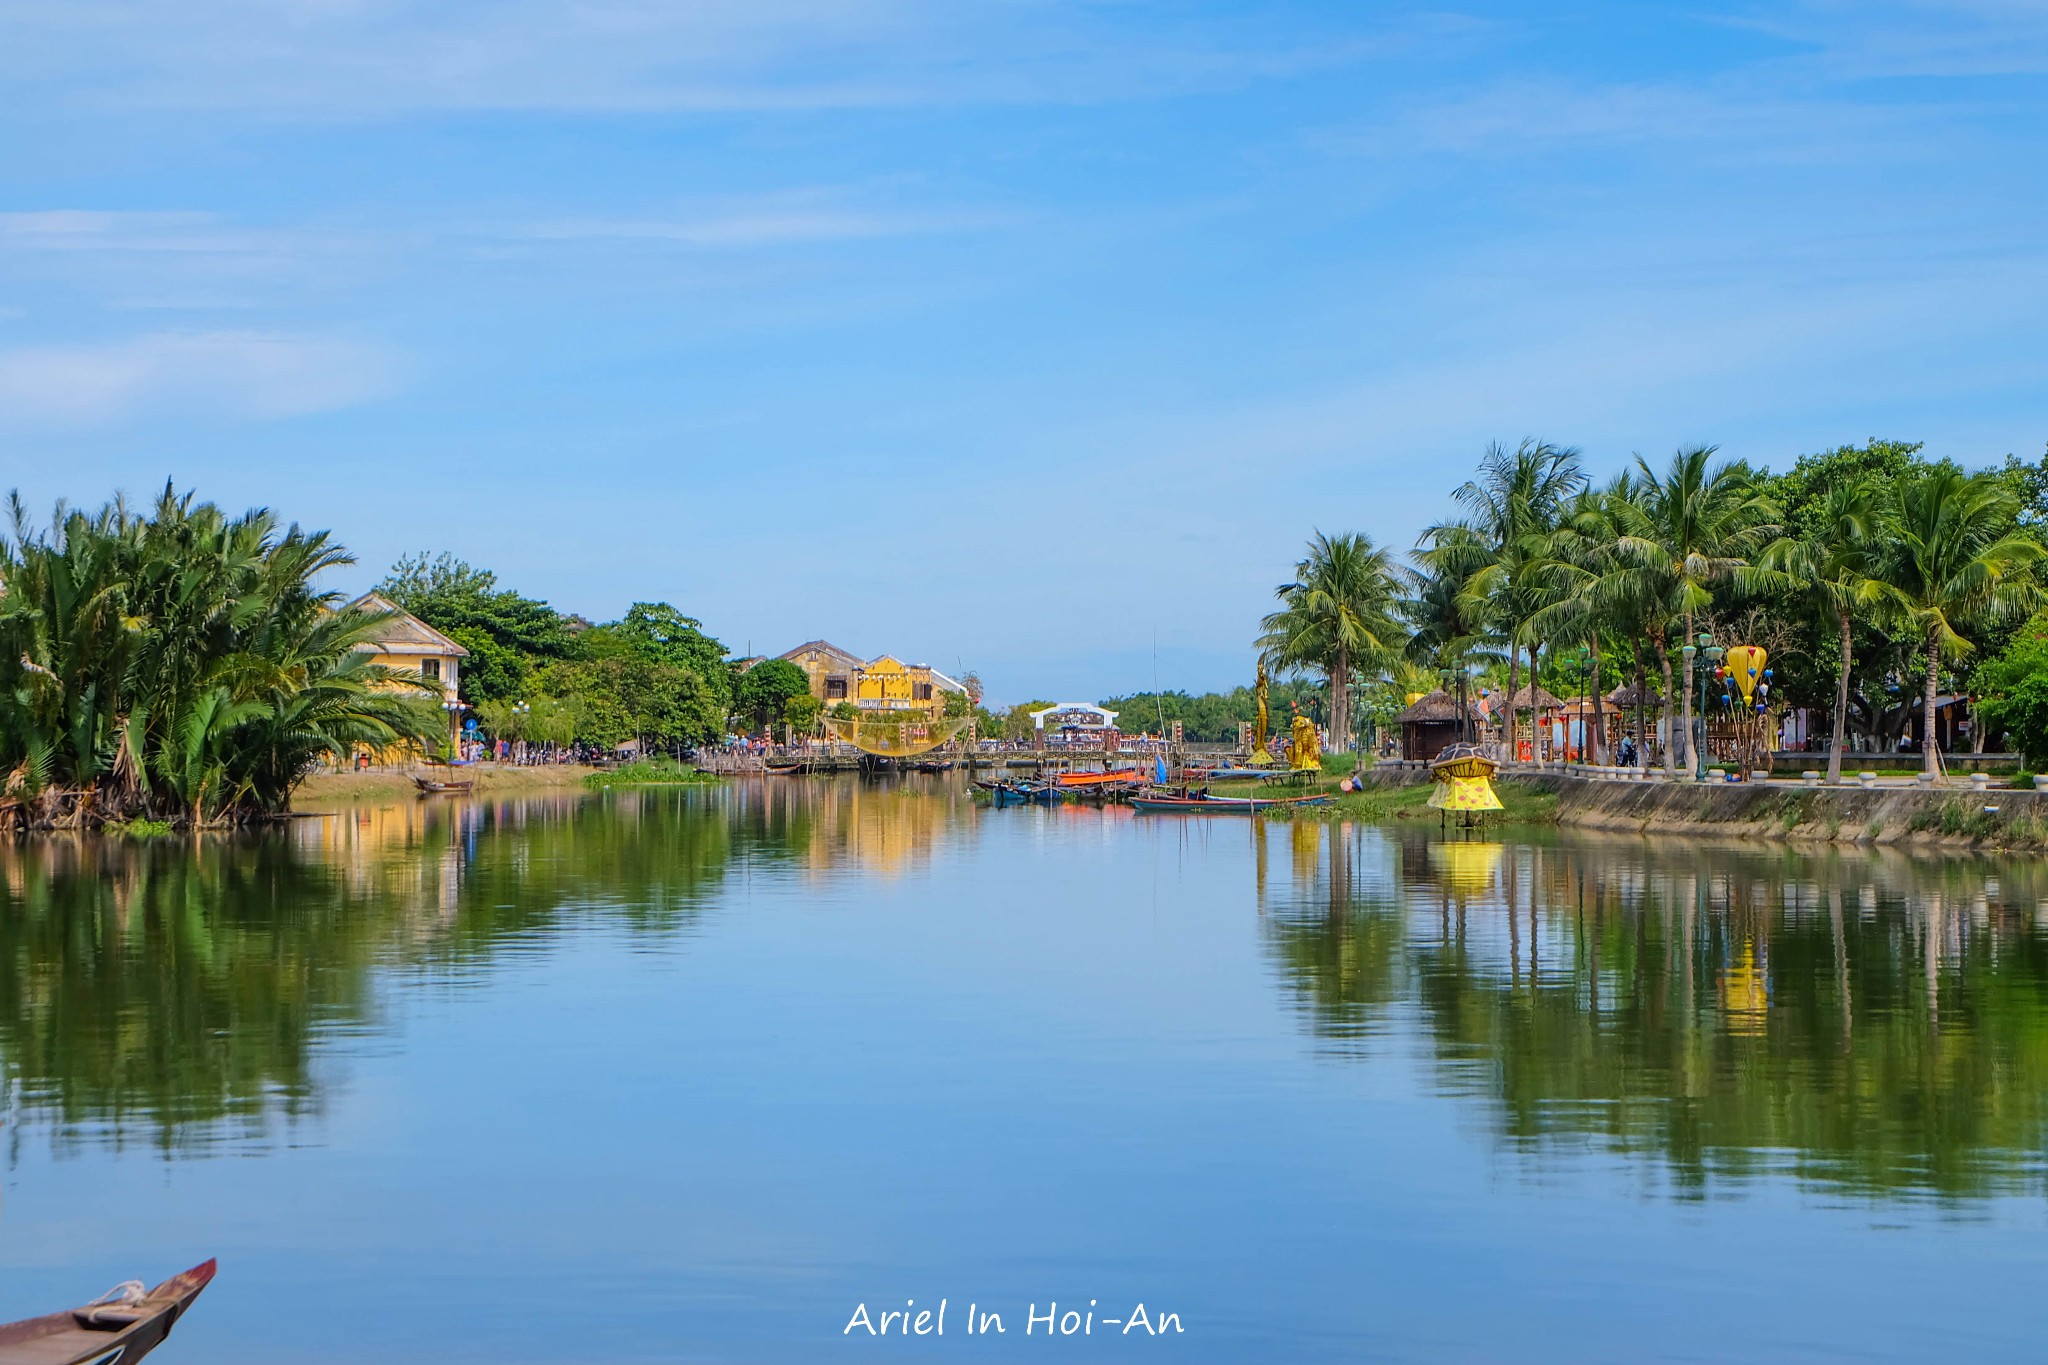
x=1201, y=803
x=117, y=1328
x=784, y=769
x=433, y=787
x=935, y=766
x=1026, y=794
x=1111, y=778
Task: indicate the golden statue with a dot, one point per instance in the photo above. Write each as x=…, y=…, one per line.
x=1262, y=728
x=1306, y=748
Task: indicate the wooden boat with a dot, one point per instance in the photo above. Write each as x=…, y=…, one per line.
x=1201, y=803
x=931, y=766
x=784, y=769
x=1026, y=793
x=119, y=1328
x=1103, y=779
x=434, y=787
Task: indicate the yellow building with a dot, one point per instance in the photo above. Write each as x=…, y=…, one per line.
x=884, y=683
x=408, y=643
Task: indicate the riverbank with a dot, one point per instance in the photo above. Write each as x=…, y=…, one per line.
x=1522, y=803
x=2000, y=818
x=326, y=789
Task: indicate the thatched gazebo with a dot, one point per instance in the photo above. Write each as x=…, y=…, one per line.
x=1433, y=722
x=1626, y=698
x=1537, y=699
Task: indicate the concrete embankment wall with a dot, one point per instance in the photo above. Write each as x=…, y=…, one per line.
x=1887, y=814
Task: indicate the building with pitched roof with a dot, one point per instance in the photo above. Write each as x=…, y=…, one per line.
x=407, y=643
x=883, y=683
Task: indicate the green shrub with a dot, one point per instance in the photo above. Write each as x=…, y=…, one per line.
x=649, y=772
x=138, y=828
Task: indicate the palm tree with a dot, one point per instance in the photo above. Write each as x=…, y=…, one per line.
x=1446, y=627
x=1960, y=560
x=1688, y=529
x=1509, y=508
x=179, y=663
x=1573, y=577
x=1337, y=615
x=1836, y=566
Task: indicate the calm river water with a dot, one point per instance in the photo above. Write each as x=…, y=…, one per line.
x=693, y=1075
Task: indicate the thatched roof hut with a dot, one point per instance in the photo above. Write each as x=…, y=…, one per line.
x=1433, y=721
x=1626, y=698
x=1436, y=706
x=1537, y=699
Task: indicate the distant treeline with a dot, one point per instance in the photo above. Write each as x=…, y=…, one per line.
x=1213, y=717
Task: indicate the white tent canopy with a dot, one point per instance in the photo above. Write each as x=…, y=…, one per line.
x=1074, y=715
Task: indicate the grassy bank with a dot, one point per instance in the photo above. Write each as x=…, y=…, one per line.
x=652, y=772
x=325, y=789
x=1524, y=804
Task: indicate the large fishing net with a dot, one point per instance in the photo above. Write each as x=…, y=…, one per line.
x=904, y=737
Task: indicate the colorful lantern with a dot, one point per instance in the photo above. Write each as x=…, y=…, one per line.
x=1746, y=665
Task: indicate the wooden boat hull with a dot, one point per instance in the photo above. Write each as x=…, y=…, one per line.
x=67, y=1339
x=428, y=787
x=1080, y=781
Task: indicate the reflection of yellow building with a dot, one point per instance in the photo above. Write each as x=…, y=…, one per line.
x=408, y=643
x=1745, y=994
x=885, y=683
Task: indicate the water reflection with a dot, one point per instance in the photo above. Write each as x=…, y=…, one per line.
x=176, y=993
x=1866, y=1022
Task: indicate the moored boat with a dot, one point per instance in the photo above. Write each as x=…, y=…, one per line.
x=430, y=787
x=118, y=1328
x=1112, y=777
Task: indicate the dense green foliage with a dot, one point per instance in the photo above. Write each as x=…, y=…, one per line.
x=536, y=676
x=1212, y=717
x=763, y=691
x=2015, y=684
x=178, y=664
x=1876, y=578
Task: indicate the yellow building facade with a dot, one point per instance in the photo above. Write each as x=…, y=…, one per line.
x=884, y=683
x=409, y=644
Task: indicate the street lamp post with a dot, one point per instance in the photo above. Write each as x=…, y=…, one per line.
x=1710, y=653
x=1585, y=695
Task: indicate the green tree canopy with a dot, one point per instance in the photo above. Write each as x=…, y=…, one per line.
x=764, y=690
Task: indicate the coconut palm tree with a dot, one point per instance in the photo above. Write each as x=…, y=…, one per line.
x=1335, y=617
x=179, y=663
x=1509, y=508
x=1573, y=579
x=1836, y=567
x=1960, y=559
x=1696, y=526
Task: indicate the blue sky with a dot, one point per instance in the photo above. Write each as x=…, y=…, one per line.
x=1021, y=336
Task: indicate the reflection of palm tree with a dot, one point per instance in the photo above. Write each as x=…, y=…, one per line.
x=1676, y=1013
x=245, y=957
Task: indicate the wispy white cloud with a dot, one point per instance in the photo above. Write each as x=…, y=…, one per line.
x=785, y=218
x=381, y=56
x=1863, y=39
x=233, y=375
x=1731, y=118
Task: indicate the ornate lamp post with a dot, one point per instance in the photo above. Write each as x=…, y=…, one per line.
x=1712, y=653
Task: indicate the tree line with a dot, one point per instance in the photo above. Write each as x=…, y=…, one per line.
x=1872, y=573
x=653, y=676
